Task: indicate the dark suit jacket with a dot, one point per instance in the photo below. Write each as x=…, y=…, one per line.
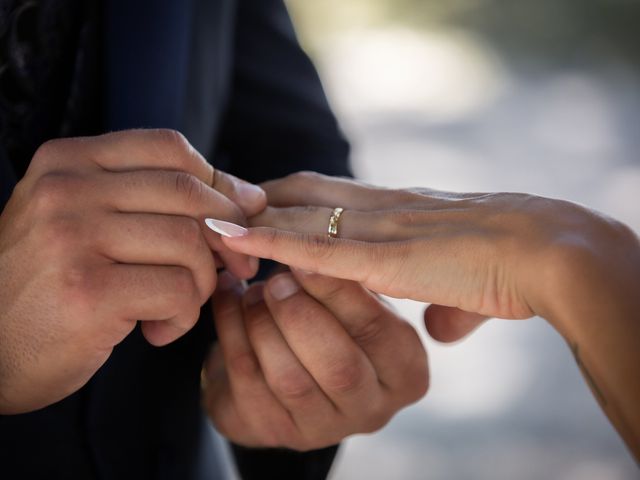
x=230, y=75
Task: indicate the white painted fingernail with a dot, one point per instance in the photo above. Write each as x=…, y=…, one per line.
x=226, y=229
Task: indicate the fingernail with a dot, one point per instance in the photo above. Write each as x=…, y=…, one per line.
x=226, y=229
x=249, y=194
x=283, y=286
x=254, y=295
x=226, y=281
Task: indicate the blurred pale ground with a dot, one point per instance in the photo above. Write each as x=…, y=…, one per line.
x=484, y=95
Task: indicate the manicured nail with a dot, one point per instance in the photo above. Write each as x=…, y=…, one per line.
x=249, y=194
x=283, y=286
x=254, y=295
x=226, y=281
x=226, y=229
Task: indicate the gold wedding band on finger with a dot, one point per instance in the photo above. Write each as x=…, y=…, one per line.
x=334, y=220
x=214, y=175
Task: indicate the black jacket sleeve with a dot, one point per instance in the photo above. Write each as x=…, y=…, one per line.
x=283, y=464
x=278, y=121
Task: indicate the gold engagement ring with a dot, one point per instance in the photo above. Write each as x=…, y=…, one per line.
x=334, y=220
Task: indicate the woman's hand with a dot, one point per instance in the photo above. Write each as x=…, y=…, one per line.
x=472, y=256
x=492, y=254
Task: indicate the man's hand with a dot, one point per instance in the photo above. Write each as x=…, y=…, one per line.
x=103, y=232
x=306, y=360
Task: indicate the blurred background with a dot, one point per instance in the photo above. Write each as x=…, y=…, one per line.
x=484, y=95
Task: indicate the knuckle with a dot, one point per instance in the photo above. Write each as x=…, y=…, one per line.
x=189, y=186
x=331, y=293
x=189, y=232
x=318, y=247
x=173, y=146
x=271, y=237
x=244, y=364
x=305, y=177
x=48, y=150
x=52, y=190
x=293, y=386
x=368, y=331
x=79, y=289
x=345, y=376
x=172, y=140
x=329, y=289
x=302, y=210
x=301, y=217
x=407, y=218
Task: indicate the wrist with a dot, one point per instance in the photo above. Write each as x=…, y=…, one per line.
x=589, y=273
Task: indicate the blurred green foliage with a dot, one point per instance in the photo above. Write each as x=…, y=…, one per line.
x=566, y=31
